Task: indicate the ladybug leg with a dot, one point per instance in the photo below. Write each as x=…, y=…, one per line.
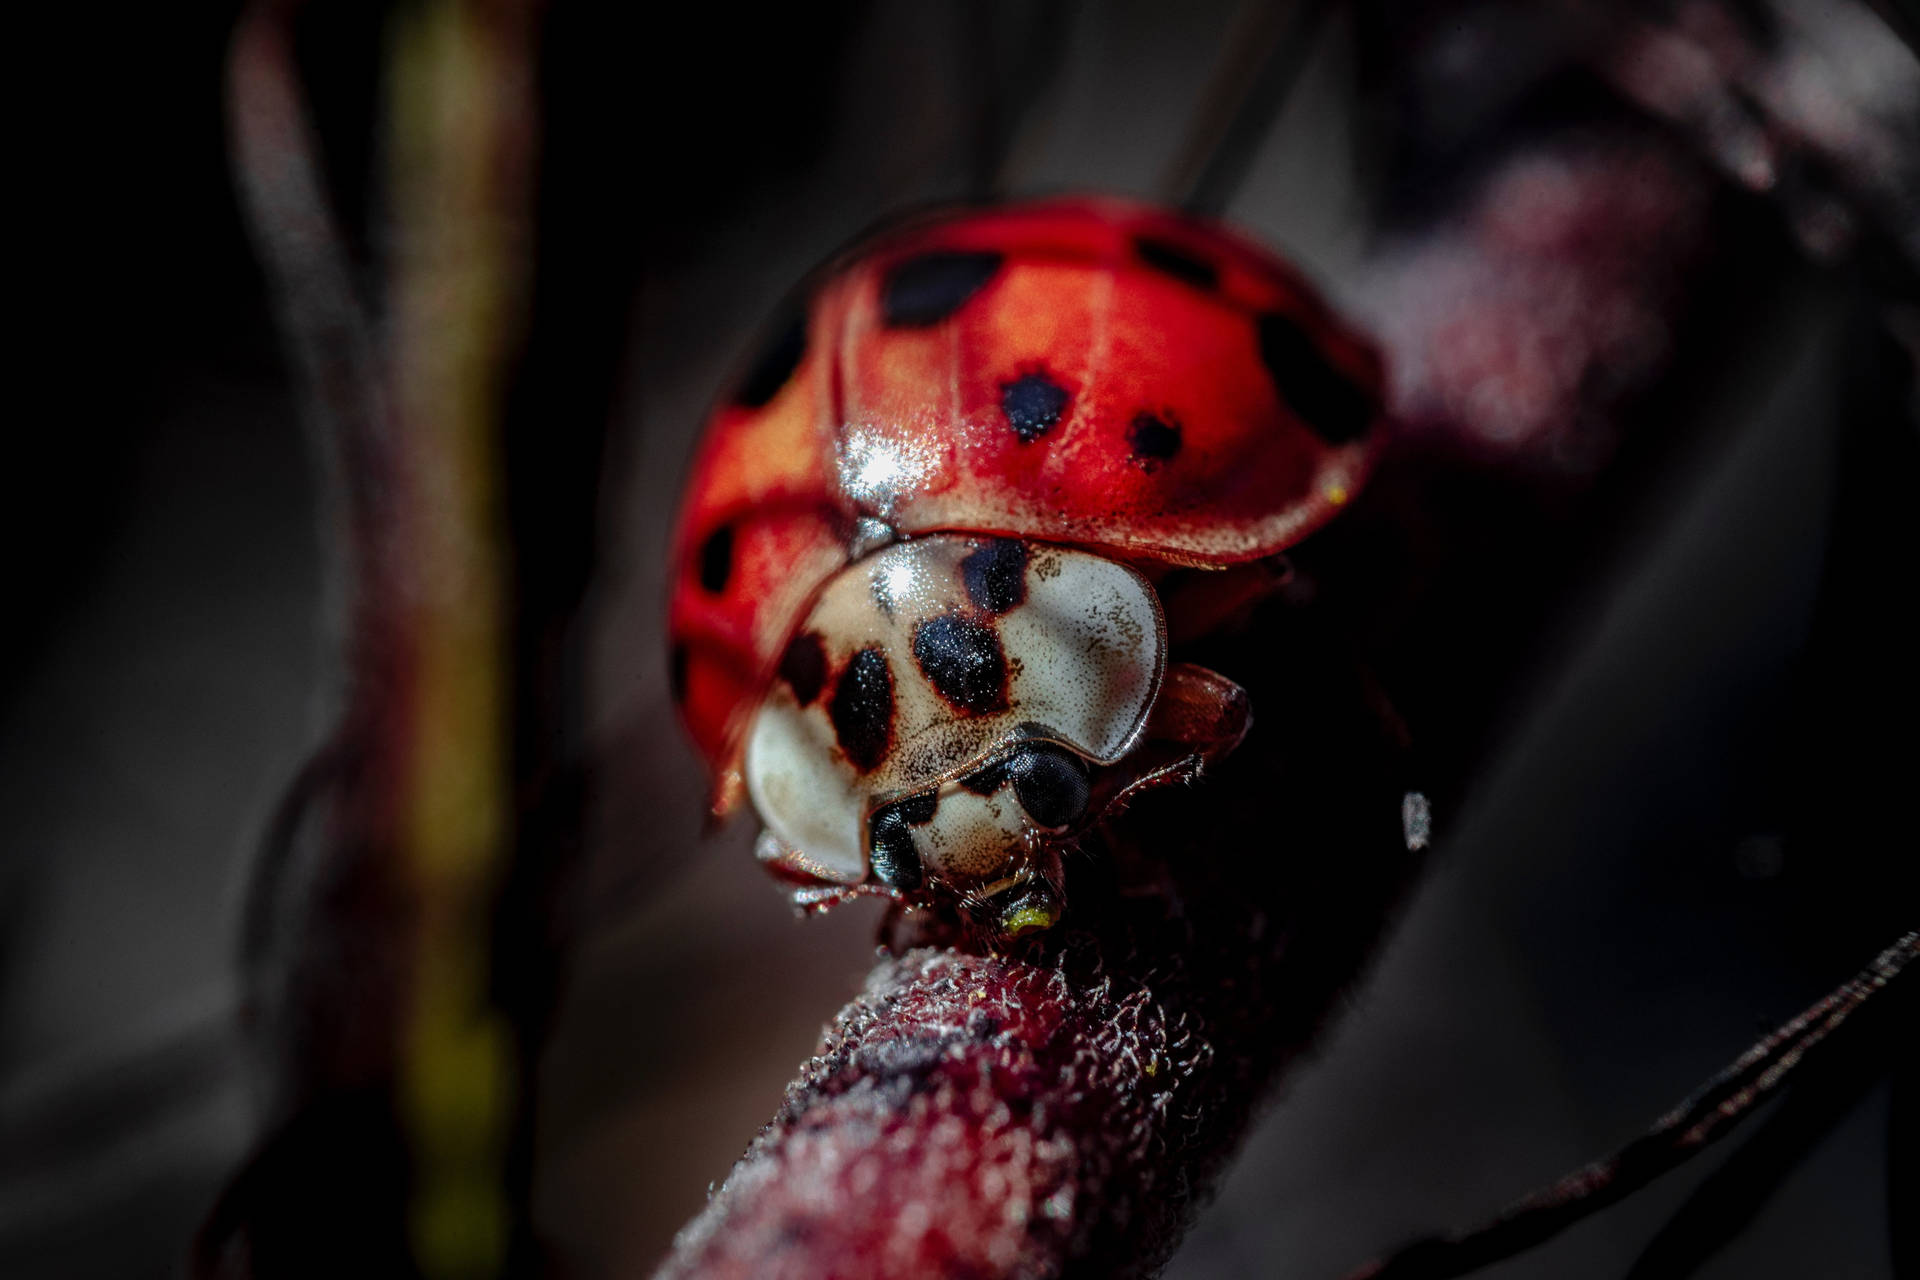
x=811, y=891
x=812, y=900
x=1199, y=717
x=1201, y=712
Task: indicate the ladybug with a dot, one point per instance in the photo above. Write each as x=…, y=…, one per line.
x=941, y=542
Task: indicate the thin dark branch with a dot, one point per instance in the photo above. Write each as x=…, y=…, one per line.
x=376, y=890
x=1268, y=49
x=1710, y=1114
x=326, y=326
x=328, y=332
x=1733, y=1195
x=1009, y=57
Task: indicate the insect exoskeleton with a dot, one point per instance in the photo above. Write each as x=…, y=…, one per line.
x=915, y=612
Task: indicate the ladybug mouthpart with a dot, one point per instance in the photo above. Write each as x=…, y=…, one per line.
x=1026, y=906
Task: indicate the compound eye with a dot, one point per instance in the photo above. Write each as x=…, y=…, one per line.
x=1051, y=784
x=890, y=846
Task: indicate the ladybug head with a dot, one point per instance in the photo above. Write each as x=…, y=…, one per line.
x=950, y=719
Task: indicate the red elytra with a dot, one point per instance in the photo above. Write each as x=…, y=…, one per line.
x=1091, y=372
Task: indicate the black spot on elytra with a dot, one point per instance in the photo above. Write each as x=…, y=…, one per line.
x=1152, y=440
x=774, y=365
x=1324, y=398
x=862, y=709
x=1033, y=403
x=677, y=672
x=1169, y=258
x=925, y=290
x=804, y=667
x=996, y=574
x=964, y=663
x=890, y=849
x=716, y=559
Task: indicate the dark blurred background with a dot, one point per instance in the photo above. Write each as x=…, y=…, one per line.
x=1690, y=825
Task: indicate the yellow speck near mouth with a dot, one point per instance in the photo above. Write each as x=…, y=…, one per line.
x=1030, y=917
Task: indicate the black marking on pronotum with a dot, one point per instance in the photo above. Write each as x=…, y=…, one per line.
x=716, y=559
x=862, y=708
x=774, y=365
x=890, y=848
x=804, y=667
x=925, y=290
x=964, y=662
x=1169, y=258
x=1323, y=397
x=996, y=574
x=1033, y=403
x=677, y=672
x=1153, y=440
